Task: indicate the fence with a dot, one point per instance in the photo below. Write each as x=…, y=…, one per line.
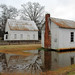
x=17, y=42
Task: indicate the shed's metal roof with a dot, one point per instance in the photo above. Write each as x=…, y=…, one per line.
x=64, y=23
x=22, y=25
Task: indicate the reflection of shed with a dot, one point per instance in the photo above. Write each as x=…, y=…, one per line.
x=16, y=59
x=58, y=35
x=20, y=30
x=3, y=63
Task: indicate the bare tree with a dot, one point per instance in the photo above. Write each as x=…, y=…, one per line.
x=34, y=66
x=8, y=12
x=33, y=11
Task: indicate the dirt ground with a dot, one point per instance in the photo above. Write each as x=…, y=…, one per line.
x=18, y=49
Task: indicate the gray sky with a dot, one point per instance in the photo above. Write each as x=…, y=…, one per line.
x=64, y=9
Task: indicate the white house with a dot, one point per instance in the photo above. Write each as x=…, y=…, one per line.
x=62, y=41
x=20, y=30
x=62, y=33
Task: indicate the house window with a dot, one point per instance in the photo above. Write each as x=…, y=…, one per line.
x=6, y=36
x=21, y=35
x=72, y=36
x=33, y=36
x=15, y=36
x=72, y=60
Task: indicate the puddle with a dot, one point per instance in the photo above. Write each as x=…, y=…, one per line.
x=17, y=63
x=31, y=51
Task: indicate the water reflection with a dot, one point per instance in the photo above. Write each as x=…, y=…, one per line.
x=17, y=63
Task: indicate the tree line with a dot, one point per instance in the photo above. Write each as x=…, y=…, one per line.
x=29, y=11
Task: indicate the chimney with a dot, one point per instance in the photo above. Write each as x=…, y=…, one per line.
x=47, y=40
x=47, y=43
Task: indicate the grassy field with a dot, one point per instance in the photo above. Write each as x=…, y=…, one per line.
x=18, y=49
x=71, y=73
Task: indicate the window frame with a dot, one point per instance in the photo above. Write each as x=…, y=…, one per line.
x=21, y=36
x=72, y=37
x=28, y=37
x=15, y=36
x=33, y=36
x=72, y=60
x=6, y=36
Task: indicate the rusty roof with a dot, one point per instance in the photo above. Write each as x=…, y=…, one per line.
x=64, y=23
x=22, y=25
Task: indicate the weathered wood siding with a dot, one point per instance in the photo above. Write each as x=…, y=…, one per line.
x=65, y=38
x=27, y=35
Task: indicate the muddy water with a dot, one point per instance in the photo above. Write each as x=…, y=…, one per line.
x=20, y=63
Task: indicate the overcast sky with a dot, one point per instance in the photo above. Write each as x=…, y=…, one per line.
x=64, y=9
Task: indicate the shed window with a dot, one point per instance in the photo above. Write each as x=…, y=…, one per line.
x=72, y=60
x=72, y=36
x=15, y=36
x=6, y=36
x=28, y=37
x=33, y=36
x=21, y=35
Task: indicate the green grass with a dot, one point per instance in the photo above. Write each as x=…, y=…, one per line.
x=71, y=73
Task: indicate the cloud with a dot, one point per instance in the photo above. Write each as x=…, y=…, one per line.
x=57, y=8
x=64, y=9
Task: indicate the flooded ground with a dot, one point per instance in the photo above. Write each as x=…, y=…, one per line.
x=21, y=63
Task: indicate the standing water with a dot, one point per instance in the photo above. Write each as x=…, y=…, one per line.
x=21, y=63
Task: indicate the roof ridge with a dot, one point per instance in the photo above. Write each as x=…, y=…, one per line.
x=62, y=19
x=20, y=20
